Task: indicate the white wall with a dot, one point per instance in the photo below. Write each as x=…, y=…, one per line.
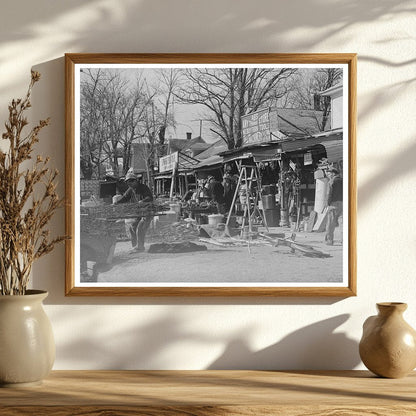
x=337, y=112
x=198, y=333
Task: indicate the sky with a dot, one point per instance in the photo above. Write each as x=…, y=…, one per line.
x=188, y=117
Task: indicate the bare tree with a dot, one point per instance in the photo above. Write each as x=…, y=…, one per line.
x=92, y=88
x=168, y=80
x=112, y=114
x=305, y=92
x=230, y=93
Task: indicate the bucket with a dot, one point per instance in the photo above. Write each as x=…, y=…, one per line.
x=272, y=217
x=176, y=208
x=269, y=201
x=284, y=218
x=233, y=221
x=246, y=234
x=215, y=219
x=269, y=189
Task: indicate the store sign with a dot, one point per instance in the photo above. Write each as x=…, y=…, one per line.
x=260, y=127
x=168, y=162
x=307, y=158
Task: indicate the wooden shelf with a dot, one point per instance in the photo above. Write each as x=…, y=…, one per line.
x=203, y=393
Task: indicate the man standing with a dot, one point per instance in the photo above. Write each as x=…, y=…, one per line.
x=334, y=204
x=216, y=193
x=230, y=186
x=136, y=228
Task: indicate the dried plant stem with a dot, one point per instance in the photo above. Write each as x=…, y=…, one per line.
x=23, y=217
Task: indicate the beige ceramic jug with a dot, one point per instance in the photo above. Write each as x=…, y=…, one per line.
x=388, y=345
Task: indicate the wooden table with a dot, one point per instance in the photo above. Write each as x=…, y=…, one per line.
x=254, y=393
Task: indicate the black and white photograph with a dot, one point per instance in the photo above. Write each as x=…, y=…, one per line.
x=211, y=175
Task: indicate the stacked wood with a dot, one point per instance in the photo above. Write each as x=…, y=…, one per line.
x=127, y=210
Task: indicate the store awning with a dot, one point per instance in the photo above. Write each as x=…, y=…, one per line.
x=308, y=142
x=169, y=175
x=269, y=151
x=209, y=162
x=334, y=150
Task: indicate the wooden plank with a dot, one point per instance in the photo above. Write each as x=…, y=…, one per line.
x=320, y=222
x=201, y=393
x=259, y=410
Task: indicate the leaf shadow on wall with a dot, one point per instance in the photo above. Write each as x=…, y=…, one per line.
x=151, y=345
x=140, y=26
x=316, y=346
x=141, y=346
x=397, y=166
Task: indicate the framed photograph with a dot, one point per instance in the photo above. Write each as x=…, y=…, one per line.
x=211, y=174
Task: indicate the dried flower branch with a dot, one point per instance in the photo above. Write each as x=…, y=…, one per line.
x=23, y=217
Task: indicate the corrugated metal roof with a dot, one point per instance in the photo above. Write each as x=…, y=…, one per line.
x=334, y=150
x=296, y=122
x=215, y=148
x=182, y=144
x=287, y=146
x=210, y=161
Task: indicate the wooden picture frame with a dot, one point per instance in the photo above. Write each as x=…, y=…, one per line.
x=301, y=151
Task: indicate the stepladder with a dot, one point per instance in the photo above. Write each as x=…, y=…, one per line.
x=246, y=200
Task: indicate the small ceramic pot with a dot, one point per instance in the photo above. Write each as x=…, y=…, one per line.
x=27, y=347
x=388, y=345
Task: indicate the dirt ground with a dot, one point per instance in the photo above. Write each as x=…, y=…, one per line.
x=259, y=262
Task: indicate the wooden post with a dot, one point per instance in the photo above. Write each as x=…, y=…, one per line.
x=186, y=183
x=172, y=184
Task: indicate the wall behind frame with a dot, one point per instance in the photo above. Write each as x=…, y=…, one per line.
x=192, y=333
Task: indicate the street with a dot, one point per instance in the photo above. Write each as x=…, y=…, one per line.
x=256, y=263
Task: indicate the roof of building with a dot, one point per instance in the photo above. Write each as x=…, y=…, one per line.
x=333, y=90
x=294, y=122
x=196, y=148
x=175, y=145
x=213, y=149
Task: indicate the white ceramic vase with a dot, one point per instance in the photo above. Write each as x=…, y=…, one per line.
x=27, y=346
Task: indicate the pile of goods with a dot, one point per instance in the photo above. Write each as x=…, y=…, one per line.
x=182, y=231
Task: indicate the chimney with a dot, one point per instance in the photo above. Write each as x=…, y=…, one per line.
x=317, y=102
x=188, y=135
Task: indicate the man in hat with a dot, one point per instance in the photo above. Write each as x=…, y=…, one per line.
x=136, y=228
x=334, y=204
